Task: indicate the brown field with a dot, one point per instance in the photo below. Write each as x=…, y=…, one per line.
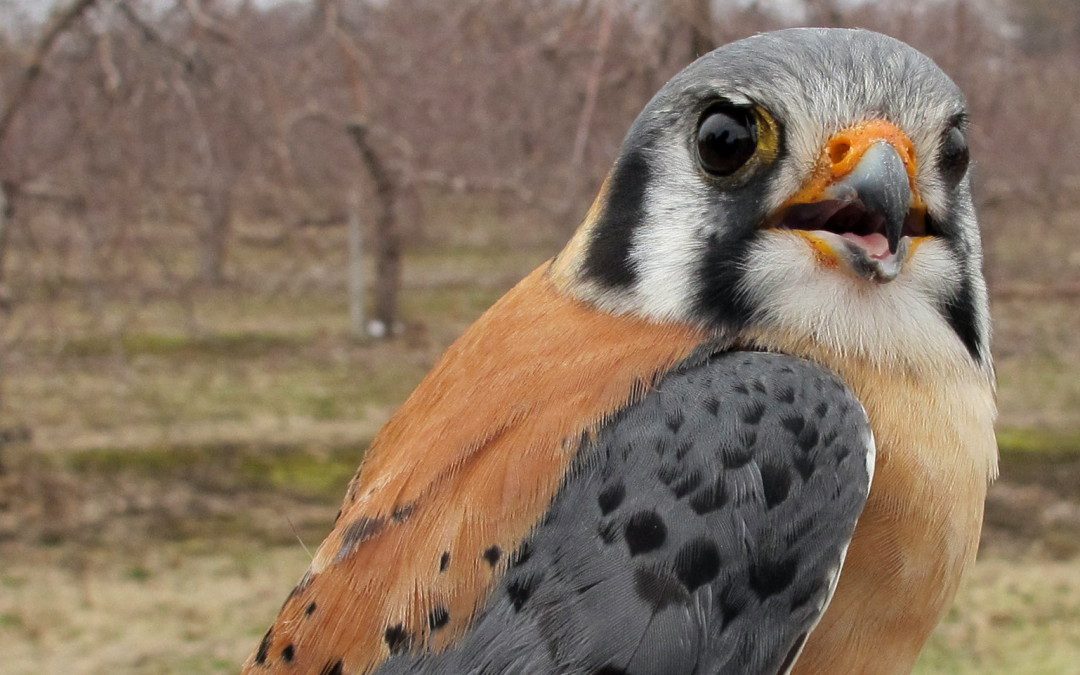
x=180, y=470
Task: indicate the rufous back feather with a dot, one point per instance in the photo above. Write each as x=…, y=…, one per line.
x=462, y=472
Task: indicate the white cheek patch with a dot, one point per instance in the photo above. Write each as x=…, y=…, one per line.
x=669, y=247
x=890, y=324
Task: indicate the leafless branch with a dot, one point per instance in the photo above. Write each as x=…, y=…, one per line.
x=592, y=88
x=61, y=22
x=206, y=23
x=150, y=35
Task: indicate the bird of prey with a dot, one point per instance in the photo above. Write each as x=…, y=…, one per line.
x=741, y=423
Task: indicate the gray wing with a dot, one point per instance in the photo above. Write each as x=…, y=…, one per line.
x=702, y=531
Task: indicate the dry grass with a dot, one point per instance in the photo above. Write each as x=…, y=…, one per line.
x=200, y=606
x=174, y=607
x=239, y=363
x=1012, y=616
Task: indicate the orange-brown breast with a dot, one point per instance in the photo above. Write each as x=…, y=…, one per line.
x=458, y=477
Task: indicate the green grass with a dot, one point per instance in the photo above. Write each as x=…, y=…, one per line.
x=223, y=344
x=10, y=620
x=1015, y=443
x=318, y=474
x=308, y=471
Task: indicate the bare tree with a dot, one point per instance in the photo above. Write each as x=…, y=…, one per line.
x=387, y=236
x=592, y=89
x=149, y=154
x=17, y=99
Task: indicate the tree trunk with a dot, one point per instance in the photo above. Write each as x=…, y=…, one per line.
x=5, y=234
x=213, y=239
x=701, y=29
x=387, y=238
x=5, y=307
x=355, y=274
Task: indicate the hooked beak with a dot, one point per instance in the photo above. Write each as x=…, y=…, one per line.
x=860, y=209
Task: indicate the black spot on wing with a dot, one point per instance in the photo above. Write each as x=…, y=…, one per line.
x=522, y=556
x=611, y=497
x=264, y=647
x=809, y=437
x=607, y=260
x=735, y=455
x=770, y=576
x=397, y=638
x=402, y=513
x=519, y=589
x=492, y=555
x=805, y=466
x=444, y=561
x=753, y=413
x=733, y=601
x=288, y=653
x=697, y=563
x=793, y=423
x=712, y=404
x=333, y=668
x=310, y=608
x=686, y=484
x=645, y=531
x=674, y=421
x=438, y=617
x=785, y=394
x=776, y=482
x=357, y=533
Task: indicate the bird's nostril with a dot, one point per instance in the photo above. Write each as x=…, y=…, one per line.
x=838, y=150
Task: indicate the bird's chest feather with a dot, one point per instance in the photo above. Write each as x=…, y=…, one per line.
x=920, y=528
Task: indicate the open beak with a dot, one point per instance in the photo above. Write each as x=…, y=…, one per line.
x=860, y=209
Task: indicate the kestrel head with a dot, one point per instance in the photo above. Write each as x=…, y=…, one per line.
x=809, y=183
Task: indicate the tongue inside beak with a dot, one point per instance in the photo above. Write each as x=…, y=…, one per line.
x=876, y=245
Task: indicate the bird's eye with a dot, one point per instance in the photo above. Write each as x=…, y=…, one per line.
x=726, y=139
x=954, y=155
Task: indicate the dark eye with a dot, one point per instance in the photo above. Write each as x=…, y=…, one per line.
x=954, y=156
x=726, y=139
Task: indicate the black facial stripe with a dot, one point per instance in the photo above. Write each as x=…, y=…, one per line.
x=608, y=259
x=718, y=299
x=958, y=309
x=959, y=312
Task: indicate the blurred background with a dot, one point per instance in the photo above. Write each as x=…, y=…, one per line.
x=234, y=234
